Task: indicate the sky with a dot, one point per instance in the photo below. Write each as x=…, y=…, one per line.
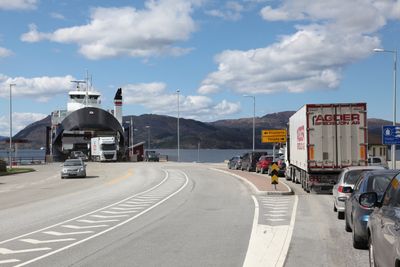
x=284, y=53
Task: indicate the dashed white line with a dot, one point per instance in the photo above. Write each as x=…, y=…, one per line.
x=118, y=212
x=83, y=227
x=109, y=216
x=9, y=261
x=35, y=241
x=6, y=251
x=69, y=233
x=99, y=221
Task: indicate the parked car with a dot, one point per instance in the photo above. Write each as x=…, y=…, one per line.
x=235, y=163
x=384, y=225
x=263, y=163
x=377, y=161
x=347, y=178
x=151, y=155
x=78, y=155
x=356, y=216
x=250, y=159
x=73, y=168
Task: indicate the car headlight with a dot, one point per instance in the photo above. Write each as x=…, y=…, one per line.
x=81, y=169
x=64, y=170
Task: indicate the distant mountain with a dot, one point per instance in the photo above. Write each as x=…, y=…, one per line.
x=222, y=134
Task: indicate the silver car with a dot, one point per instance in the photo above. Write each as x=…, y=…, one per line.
x=347, y=178
x=73, y=168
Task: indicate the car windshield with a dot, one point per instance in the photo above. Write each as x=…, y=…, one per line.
x=72, y=163
x=351, y=177
x=378, y=183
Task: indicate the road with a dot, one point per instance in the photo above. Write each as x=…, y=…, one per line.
x=163, y=214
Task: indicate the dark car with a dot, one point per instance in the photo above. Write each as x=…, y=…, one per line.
x=356, y=216
x=384, y=225
x=78, y=155
x=250, y=159
x=235, y=163
x=151, y=155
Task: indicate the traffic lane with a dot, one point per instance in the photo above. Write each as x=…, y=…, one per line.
x=207, y=224
x=67, y=198
x=46, y=182
x=319, y=238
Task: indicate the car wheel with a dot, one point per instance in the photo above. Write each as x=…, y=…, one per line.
x=334, y=208
x=371, y=253
x=248, y=168
x=357, y=242
x=347, y=225
x=262, y=171
x=340, y=215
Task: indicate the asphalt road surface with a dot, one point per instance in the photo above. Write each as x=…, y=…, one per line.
x=162, y=214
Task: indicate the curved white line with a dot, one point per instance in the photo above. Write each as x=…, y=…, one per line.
x=112, y=228
x=54, y=225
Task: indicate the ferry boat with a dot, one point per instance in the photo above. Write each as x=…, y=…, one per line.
x=84, y=118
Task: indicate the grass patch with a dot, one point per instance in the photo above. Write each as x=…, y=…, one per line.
x=16, y=171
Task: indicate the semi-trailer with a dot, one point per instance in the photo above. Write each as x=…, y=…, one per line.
x=323, y=139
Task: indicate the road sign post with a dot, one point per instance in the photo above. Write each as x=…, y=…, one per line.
x=274, y=174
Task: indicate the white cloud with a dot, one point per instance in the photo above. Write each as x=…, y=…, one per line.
x=4, y=52
x=154, y=97
x=18, y=4
x=56, y=15
x=40, y=89
x=332, y=36
x=19, y=122
x=127, y=31
x=230, y=11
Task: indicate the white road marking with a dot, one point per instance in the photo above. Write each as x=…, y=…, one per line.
x=35, y=241
x=118, y=212
x=278, y=211
x=275, y=220
x=119, y=208
x=109, y=216
x=83, y=227
x=6, y=251
x=69, y=233
x=9, y=261
x=274, y=215
x=100, y=221
x=269, y=244
x=113, y=227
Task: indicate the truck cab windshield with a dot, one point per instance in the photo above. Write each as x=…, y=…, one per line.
x=108, y=147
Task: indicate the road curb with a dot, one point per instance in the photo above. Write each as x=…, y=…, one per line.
x=255, y=189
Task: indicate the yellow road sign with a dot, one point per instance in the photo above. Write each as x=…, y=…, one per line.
x=275, y=167
x=273, y=132
x=274, y=179
x=273, y=139
x=273, y=136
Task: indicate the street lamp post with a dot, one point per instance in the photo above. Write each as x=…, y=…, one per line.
x=148, y=136
x=254, y=118
x=394, y=52
x=178, y=91
x=130, y=137
x=10, y=160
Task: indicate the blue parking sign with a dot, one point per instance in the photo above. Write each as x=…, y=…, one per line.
x=391, y=135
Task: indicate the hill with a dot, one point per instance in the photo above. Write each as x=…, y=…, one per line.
x=222, y=134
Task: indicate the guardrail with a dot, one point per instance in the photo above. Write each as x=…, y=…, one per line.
x=25, y=161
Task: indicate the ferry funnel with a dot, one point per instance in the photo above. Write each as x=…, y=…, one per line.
x=118, y=105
